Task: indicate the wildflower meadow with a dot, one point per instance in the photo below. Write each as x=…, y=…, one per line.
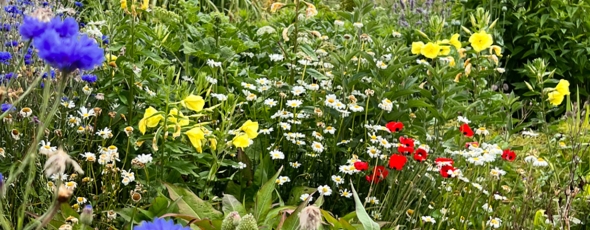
x=294, y=114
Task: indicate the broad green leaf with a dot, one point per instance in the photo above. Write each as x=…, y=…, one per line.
x=230, y=203
x=361, y=213
x=263, y=200
x=191, y=204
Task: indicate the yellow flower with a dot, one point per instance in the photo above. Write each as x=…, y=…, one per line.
x=194, y=103
x=251, y=129
x=430, y=50
x=177, y=117
x=445, y=50
x=563, y=87
x=196, y=135
x=455, y=41
x=481, y=41
x=241, y=141
x=443, y=42
x=145, y=5
x=496, y=49
x=149, y=119
x=555, y=98
x=451, y=61
x=123, y=4
x=276, y=6
x=110, y=58
x=417, y=47
x=213, y=143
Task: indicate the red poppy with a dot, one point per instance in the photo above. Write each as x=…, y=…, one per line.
x=405, y=150
x=406, y=146
x=379, y=174
x=468, y=144
x=361, y=166
x=420, y=155
x=466, y=130
x=397, y=162
x=444, y=171
x=508, y=155
x=394, y=126
x=441, y=161
x=407, y=142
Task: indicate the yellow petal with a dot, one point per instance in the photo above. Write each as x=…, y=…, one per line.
x=241, y=141
x=251, y=129
x=563, y=87
x=195, y=136
x=555, y=98
x=142, y=126
x=417, y=47
x=194, y=103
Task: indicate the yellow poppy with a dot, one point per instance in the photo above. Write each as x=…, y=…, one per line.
x=430, y=50
x=481, y=41
x=196, y=136
x=555, y=98
x=563, y=87
x=149, y=119
x=145, y=5
x=251, y=129
x=241, y=141
x=445, y=50
x=455, y=41
x=194, y=103
x=177, y=117
x=417, y=47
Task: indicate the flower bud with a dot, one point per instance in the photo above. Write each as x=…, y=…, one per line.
x=231, y=221
x=86, y=216
x=247, y=223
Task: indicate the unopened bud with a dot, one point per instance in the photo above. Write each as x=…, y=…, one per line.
x=86, y=216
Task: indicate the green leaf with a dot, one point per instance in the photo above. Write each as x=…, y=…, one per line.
x=263, y=200
x=230, y=204
x=159, y=205
x=361, y=213
x=191, y=204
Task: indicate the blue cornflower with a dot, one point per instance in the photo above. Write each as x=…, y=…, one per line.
x=12, y=9
x=25, y=2
x=28, y=59
x=5, y=57
x=66, y=28
x=69, y=53
x=90, y=78
x=5, y=27
x=105, y=39
x=45, y=4
x=6, y=107
x=82, y=25
x=8, y=76
x=78, y=4
x=32, y=27
x=51, y=73
x=11, y=43
x=159, y=224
